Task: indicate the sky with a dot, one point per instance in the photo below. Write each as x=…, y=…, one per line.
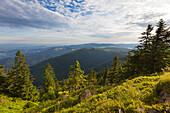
x=78, y=21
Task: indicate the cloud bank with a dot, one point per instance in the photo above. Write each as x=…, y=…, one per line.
x=78, y=21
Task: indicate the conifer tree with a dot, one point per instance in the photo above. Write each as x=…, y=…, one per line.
x=116, y=69
x=143, y=53
x=104, y=80
x=152, y=54
x=160, y=47
x=20, y=80
x=3, y=79
x=146, y=38
x=57, y=84
x=64, y=85
x=49, y=78
x=58, y=87
x=76, y=78
x=2, y=71
x=92, y=78
x=49, y=84
x=130, y=65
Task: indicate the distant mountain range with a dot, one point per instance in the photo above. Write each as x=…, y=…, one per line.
x=37, y=53
x=35, y=58
x=9, y=50
x=96, y=45
x=91, y=56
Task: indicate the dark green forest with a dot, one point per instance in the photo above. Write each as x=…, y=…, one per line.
x=89, y=58
x=119, y=80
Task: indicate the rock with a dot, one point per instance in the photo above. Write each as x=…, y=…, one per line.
x=93, y=93
x=165, y=97
x=168, y=109
x=120, y=111
x=142, y=110
x=86, y=94
x=83, y=96
x=116, y=110
x=64, y=98
x=161, y=101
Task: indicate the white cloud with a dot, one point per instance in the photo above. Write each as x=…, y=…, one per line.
x=87, y=21
x=29, y=14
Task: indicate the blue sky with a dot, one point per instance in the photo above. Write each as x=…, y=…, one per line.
x=78, y=21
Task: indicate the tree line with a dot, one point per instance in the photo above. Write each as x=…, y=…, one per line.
x=151, y=56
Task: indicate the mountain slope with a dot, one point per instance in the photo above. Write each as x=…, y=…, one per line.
x=88, y=58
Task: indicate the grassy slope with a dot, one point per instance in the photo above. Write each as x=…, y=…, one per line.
x=13, y=105
x=129, y=96
x=140, y=92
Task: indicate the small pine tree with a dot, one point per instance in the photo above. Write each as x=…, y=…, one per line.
x=116, y=69
x=57, y=84
x=64, y=85
x=104, y=79
x=91, y=78
x=3, y=79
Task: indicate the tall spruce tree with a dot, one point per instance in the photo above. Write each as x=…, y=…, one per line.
x=143, y=53
x=146, y=38
x=160, y=47
x=136, y=62
x=76, y=77
x=49, y=78
x=20, y=80
x=49, y=84
x=152, y=54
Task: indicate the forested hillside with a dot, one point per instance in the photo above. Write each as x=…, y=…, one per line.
x=138, y=84
x=89, y=58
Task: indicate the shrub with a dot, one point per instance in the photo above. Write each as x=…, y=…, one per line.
x=29, y=105
x=163, y=86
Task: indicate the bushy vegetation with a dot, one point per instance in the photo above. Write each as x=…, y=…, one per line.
x=14, y=105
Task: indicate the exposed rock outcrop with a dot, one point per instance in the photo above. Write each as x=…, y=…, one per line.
x=165, y=97
x=86, y=94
